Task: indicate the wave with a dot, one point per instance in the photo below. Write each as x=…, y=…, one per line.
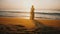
x=27, y=14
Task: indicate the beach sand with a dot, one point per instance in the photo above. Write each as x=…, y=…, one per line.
x=29, y=23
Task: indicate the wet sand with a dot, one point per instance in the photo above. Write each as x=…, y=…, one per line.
x=26, y=26
x=18, y=21
x=29, y=23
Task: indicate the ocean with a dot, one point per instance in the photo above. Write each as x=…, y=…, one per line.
x=45, y=14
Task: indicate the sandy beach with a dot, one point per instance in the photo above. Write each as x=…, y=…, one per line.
x=29, y=23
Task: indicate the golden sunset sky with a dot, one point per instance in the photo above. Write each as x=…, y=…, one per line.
x=26, y=4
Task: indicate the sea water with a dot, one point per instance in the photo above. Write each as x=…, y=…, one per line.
x=45, y=14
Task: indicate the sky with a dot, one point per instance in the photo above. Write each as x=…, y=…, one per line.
x=26, y=4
